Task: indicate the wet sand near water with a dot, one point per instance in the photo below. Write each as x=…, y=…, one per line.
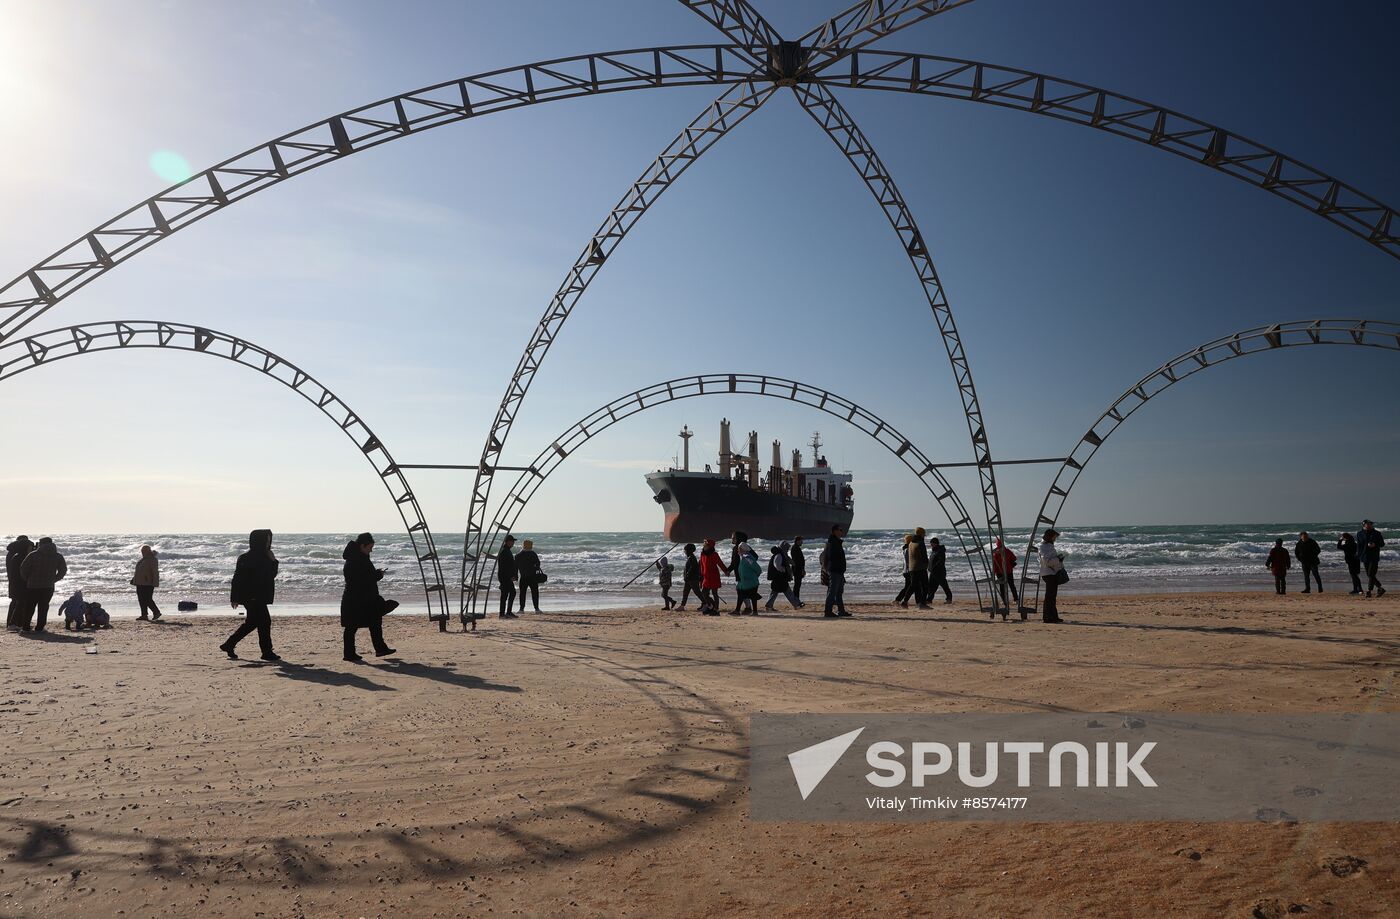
x=594, y=764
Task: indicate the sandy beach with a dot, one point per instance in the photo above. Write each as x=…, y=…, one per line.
x=594, y=764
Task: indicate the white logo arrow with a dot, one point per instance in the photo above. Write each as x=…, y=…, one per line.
x=811, y=764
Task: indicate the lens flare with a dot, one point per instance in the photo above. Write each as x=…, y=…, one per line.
x=170, y=166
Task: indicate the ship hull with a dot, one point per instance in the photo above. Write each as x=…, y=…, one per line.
x=699, y=507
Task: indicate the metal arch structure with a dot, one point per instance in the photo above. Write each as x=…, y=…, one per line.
x=1355, y=332
x=833, y=118
x=739, y=21
x=865, y=22
x=43, y=285
x=705, y=130
x=748, y=384
x=139, y=227
x=20, y=355
x=1199, y=141
x=811, y=59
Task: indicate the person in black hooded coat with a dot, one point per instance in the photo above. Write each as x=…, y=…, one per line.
x=361, y=606
x=253, y=588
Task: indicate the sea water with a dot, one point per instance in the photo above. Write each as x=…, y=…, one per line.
x=588, y=570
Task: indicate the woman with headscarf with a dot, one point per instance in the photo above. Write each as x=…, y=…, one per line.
x=746, y=578
x=146, y=580
x=361, y=606
x=779, y=575
x=253, y=588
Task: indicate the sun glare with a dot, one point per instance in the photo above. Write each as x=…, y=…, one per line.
x=170, y=166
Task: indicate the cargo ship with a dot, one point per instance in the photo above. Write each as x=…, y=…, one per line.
x=780, y=503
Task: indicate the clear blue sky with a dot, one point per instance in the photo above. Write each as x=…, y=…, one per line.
x=409, y=277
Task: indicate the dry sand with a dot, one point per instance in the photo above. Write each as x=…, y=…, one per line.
x=594, y=764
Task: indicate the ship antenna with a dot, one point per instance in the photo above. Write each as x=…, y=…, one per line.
x=816, y=445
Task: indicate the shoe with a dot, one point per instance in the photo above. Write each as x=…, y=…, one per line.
x=385, y=653
x=155, y=616
x=1056, y=621
x=38, y=628
x=735, y=612
x=924, y=606
x=1368, y=596
x=1354, y=593
x=1307, y=591
x=843, y=613
x=947, y=601
x=1380, y=591
x=143, y=618
x=229, y=651
x=905, y=604
x=25, y=628
x=353, y=658
x=829, y=615
x=271, y=657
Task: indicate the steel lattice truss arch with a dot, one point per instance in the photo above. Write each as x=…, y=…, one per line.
x=738, y=20
x=332, y=139
x=833, y=118
x=748, y=384
x=1367, y=333
x=1079, y=103
x=42, y=286
x=20, y=355
x=713, y=122
x=829, y=54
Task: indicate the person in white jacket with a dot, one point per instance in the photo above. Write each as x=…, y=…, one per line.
x=1051, y=564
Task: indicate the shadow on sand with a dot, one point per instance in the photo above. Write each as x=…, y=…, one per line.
x=68, y=638
x=305, y=674
x=443, y=674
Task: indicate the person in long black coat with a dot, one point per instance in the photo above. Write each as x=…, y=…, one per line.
x=506, y=575
x=15, y=554
x=253, y=588
x=361, y=606
x=527, y=566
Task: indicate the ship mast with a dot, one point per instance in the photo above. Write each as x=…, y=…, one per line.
x=686, y=434
x=816, y=445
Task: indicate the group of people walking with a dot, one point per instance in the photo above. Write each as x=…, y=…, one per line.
x=924, y=561
x=33, y=570
x=925, y=571
x=704, y=572
x=254, y=587
x=1360, y=551
x=523, y=569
